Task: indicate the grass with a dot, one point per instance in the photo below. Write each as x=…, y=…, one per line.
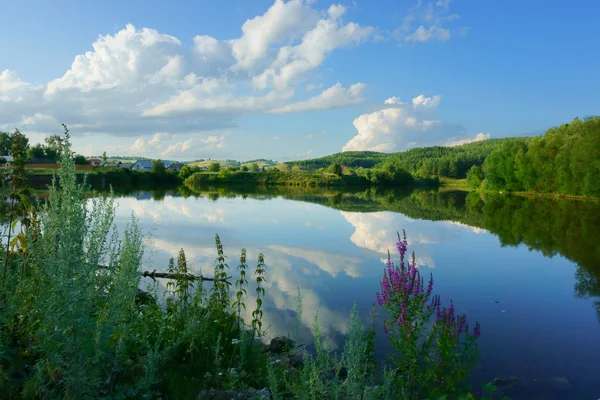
x=453, y=184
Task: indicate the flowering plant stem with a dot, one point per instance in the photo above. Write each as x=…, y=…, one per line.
x=433, y=355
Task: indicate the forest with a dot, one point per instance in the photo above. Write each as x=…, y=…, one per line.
x=422, y=162
x=566, y=161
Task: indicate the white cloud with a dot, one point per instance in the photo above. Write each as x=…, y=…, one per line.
x=125, y=59
x=393, y=100
x=335, y=96
x=159, y=137
x=139, y=147
x=9, y=83
x=469, y=139
x=293, y=62
x=184, y=148
x=283, y=20
x=139, y=82
x=423, y=23
x=399, y=127
x=426, y=102
x=336, y=11
x=423, y=34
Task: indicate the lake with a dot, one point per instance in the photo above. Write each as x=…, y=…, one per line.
x=528, y=269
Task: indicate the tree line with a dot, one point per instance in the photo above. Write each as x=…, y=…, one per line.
x=565, y=160
x=422, y=162
x=50, y=149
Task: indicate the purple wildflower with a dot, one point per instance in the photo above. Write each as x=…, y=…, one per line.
x=477, y=330
x=402, y=318
x=430, y=286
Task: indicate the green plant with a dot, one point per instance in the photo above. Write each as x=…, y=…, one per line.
x=241, y=285
x=432, y=358
x=259, y=276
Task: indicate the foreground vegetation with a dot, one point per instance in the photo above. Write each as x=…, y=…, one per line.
x=74, y=324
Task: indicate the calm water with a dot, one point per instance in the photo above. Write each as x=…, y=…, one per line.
x=527, y=269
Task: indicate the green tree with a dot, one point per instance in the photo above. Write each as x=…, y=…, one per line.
x=185, y=172
x=104, y=158
x=5, y=143
x=55, y=143
x=254, y=167
x=50, y=153
x=224, y=173
x=245, y=168
x=214, y=167
x=475, y=177
x=158, y=167
x=37, y=151
x=19, y=151
x=80, y=160
x=336, y=168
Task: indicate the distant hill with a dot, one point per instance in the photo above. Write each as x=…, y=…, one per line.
x=452, y=162
x=447, y=161
x=261, y=162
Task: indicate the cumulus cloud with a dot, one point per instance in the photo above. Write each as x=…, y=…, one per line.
x=141, y=82
x=426, y=102
x=400, y=126
x=393, y=100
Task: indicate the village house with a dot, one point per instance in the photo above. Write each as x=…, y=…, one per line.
x=142, y=165
x=176, y=166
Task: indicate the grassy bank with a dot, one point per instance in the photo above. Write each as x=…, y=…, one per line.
x=454, y=184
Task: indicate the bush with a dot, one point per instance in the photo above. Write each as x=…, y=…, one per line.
x=475, y=177
x=70, y=329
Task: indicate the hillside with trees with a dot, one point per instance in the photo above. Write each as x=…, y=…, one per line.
x=453, y=162
x=566, y=161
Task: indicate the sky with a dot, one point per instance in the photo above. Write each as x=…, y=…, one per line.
x=294, y=79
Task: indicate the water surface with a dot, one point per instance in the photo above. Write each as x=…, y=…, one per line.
x=527, y=268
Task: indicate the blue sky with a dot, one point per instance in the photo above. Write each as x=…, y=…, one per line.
x=294, y=79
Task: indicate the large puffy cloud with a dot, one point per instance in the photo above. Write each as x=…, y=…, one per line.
x=400, y=126
x=140, y=82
